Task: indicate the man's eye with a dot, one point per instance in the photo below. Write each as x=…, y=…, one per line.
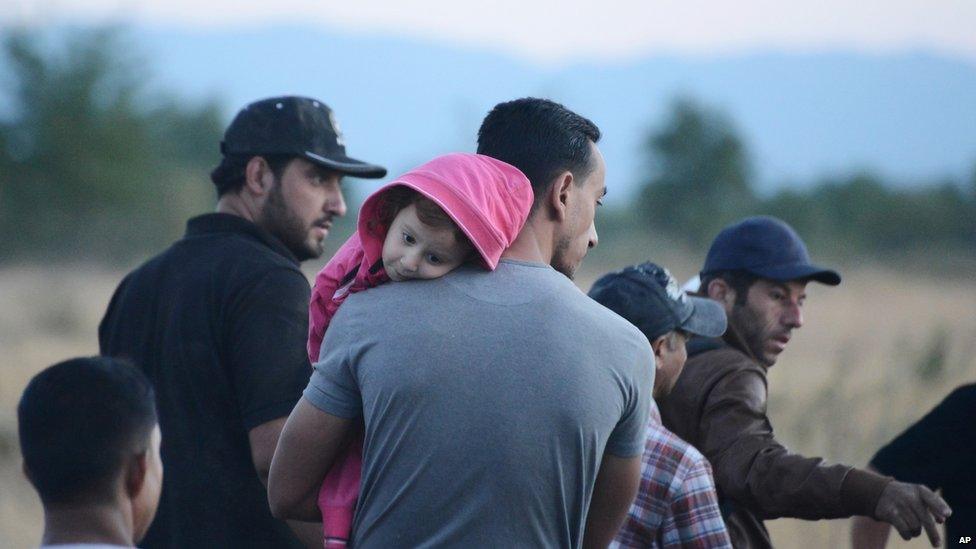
x=409, y=239
x=433, y=259
x=321, y=180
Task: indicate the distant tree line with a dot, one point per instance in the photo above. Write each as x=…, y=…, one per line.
x=93, y=163
x=702, y=181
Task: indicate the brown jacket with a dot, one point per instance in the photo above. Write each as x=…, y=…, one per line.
x=719, y=406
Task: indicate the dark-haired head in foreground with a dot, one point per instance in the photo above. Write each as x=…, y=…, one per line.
x=90, y=441
x=556, y=149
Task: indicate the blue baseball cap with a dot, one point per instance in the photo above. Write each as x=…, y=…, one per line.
x=648, y=297
x=766, y=247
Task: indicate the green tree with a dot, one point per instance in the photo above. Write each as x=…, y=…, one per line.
x=90, y=164
x=700, y=174
x=861, y=213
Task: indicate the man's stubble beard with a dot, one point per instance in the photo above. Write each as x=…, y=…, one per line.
x=559, y=253
x=278, y=220
x=747, y=325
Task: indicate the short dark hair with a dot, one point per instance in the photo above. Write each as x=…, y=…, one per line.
x=739, y=280
x=77, y=421
x=228, y=176
x=540, y=137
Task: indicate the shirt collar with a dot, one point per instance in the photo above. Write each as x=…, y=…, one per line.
x=228, y=223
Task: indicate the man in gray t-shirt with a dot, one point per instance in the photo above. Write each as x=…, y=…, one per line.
x=485, y=418
x=500, y=408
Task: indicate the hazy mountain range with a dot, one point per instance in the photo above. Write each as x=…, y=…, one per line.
x=910, y=117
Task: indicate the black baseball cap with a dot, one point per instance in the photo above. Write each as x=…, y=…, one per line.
x=648, y=297
x=298, y=126
x=766, y=247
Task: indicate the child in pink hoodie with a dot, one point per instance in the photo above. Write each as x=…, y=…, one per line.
x=423, y=225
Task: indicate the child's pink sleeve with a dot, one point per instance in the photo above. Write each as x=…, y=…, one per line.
x=324, y=303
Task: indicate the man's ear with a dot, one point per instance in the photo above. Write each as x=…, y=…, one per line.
x=558, y=196
x=658, y=346
x=135, y=473
x=258, y=177
x=719, y=290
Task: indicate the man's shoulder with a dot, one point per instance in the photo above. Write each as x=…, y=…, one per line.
x=184, y=276
x=669, y=452
x=232, y=249
x=227, y=257
x=721, y=360
x=703, y=374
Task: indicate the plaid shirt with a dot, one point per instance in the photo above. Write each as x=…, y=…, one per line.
x=676, y=505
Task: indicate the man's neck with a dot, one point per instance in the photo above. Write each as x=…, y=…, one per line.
x=532, y=243
x=106, y=524
x=733, y=338
x=234, y=204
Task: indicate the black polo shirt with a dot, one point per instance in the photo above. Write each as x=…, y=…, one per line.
x=219, y=323
x=939, y=451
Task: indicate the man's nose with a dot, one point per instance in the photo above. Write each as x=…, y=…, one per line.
x=336, y=204
x=793, y=315
x=594, y=238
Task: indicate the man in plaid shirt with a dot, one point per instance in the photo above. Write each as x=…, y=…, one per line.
x=676, y=505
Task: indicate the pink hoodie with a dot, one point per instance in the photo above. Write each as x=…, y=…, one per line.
x=489, y=201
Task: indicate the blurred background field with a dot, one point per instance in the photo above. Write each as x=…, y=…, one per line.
x=877, y=351
x=107, y=133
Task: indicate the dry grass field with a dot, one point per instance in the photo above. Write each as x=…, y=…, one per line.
x=876, y=352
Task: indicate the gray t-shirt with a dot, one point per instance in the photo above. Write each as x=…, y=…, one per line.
x=488, y=399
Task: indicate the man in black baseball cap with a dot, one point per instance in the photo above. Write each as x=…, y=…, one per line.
x=676, y=503
x=758, y=270
x=283, y=161
x=295, y=126
x=219, y=321
x=648, y=297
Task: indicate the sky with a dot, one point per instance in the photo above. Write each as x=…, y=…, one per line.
x=566, y=31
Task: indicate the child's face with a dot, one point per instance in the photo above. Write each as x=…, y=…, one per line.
x=415, y=250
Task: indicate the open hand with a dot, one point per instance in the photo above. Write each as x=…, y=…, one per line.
x=911, y=507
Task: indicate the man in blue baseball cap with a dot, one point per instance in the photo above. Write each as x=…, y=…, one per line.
x=758, y=270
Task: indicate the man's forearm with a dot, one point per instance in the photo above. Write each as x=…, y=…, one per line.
x=309, y=533
x=308, y=445
x=753, y=469
x=614, y=491
x=264, y=440
x=867, y=533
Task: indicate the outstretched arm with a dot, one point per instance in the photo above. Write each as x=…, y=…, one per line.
x=753, y=469
x=308, y=445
